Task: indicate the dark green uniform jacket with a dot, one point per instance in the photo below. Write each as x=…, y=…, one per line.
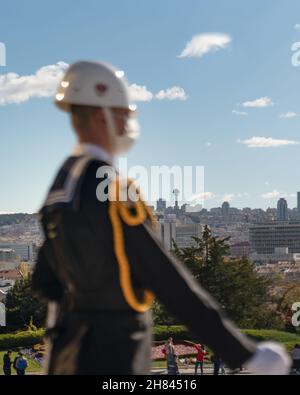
x=97, y=331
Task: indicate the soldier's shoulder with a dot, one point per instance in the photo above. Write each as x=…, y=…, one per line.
x=66, y=189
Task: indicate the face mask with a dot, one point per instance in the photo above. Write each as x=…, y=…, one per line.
x=122, y=143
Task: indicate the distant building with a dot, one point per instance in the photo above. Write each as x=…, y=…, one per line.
x=215, y=211
x=282, y=210
x=298, y=205
x=7, y=255
x=25, y=251
x=275, y=240
x=239, y=250
x=185, y=232
x=225, y=209
x=12, y=275
x=5, y=286
x=5, y=266
x=161, y=205
x=169, y=229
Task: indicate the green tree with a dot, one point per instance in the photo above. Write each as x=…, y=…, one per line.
x=161, y=316
x=285, y=295
x=23, y=309
x=235, y=284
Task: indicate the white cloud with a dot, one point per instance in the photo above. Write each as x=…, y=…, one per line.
x=203, y=196
x=208, y=144
x=228, y=197
x=139, y=93
x=194, y=209
x=242, y=194
x=288, y=114
x=297, y=26
x=259, y=103
x=17, y=89
x=242, y=113
x=271, y=195
x=278, y=194
x=174, y=93
x=204, y=43
x=266, y=142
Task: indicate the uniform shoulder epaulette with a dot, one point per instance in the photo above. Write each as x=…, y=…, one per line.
x=65, y=191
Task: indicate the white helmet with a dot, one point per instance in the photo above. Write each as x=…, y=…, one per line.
x=98, y=84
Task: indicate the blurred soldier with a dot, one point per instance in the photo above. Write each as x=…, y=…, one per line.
x=101, y=263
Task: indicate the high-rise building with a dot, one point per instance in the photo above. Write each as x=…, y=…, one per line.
x=298, y=205
x=282, y=210
x=225, y=209
x=161, y=205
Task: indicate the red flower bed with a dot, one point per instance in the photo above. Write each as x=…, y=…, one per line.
x=180, y=349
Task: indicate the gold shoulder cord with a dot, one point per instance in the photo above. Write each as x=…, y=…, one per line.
x=119, y=211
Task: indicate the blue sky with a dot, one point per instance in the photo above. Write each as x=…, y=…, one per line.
x=251, y=74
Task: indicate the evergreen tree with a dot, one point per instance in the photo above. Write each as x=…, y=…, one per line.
x=235, y=284
x=22, y=307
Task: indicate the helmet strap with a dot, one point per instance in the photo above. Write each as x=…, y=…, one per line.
x=111, y=126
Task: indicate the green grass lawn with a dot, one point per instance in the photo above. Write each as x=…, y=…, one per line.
x=32, y=365
x=159, y=364
x=287, y=339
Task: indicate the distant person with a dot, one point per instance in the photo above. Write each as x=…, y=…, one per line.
x=222, y=367
x=216, y=360
x=15, y=363
x=7, y=363
x=296, y=358
x=21, y=365
x=200, y=356
x=171, y=357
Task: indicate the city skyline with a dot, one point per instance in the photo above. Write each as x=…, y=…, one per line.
x=170, y=204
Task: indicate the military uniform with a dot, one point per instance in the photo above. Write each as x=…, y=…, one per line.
x=102, y=264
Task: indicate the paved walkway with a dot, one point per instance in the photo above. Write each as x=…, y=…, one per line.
x=208, y=370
